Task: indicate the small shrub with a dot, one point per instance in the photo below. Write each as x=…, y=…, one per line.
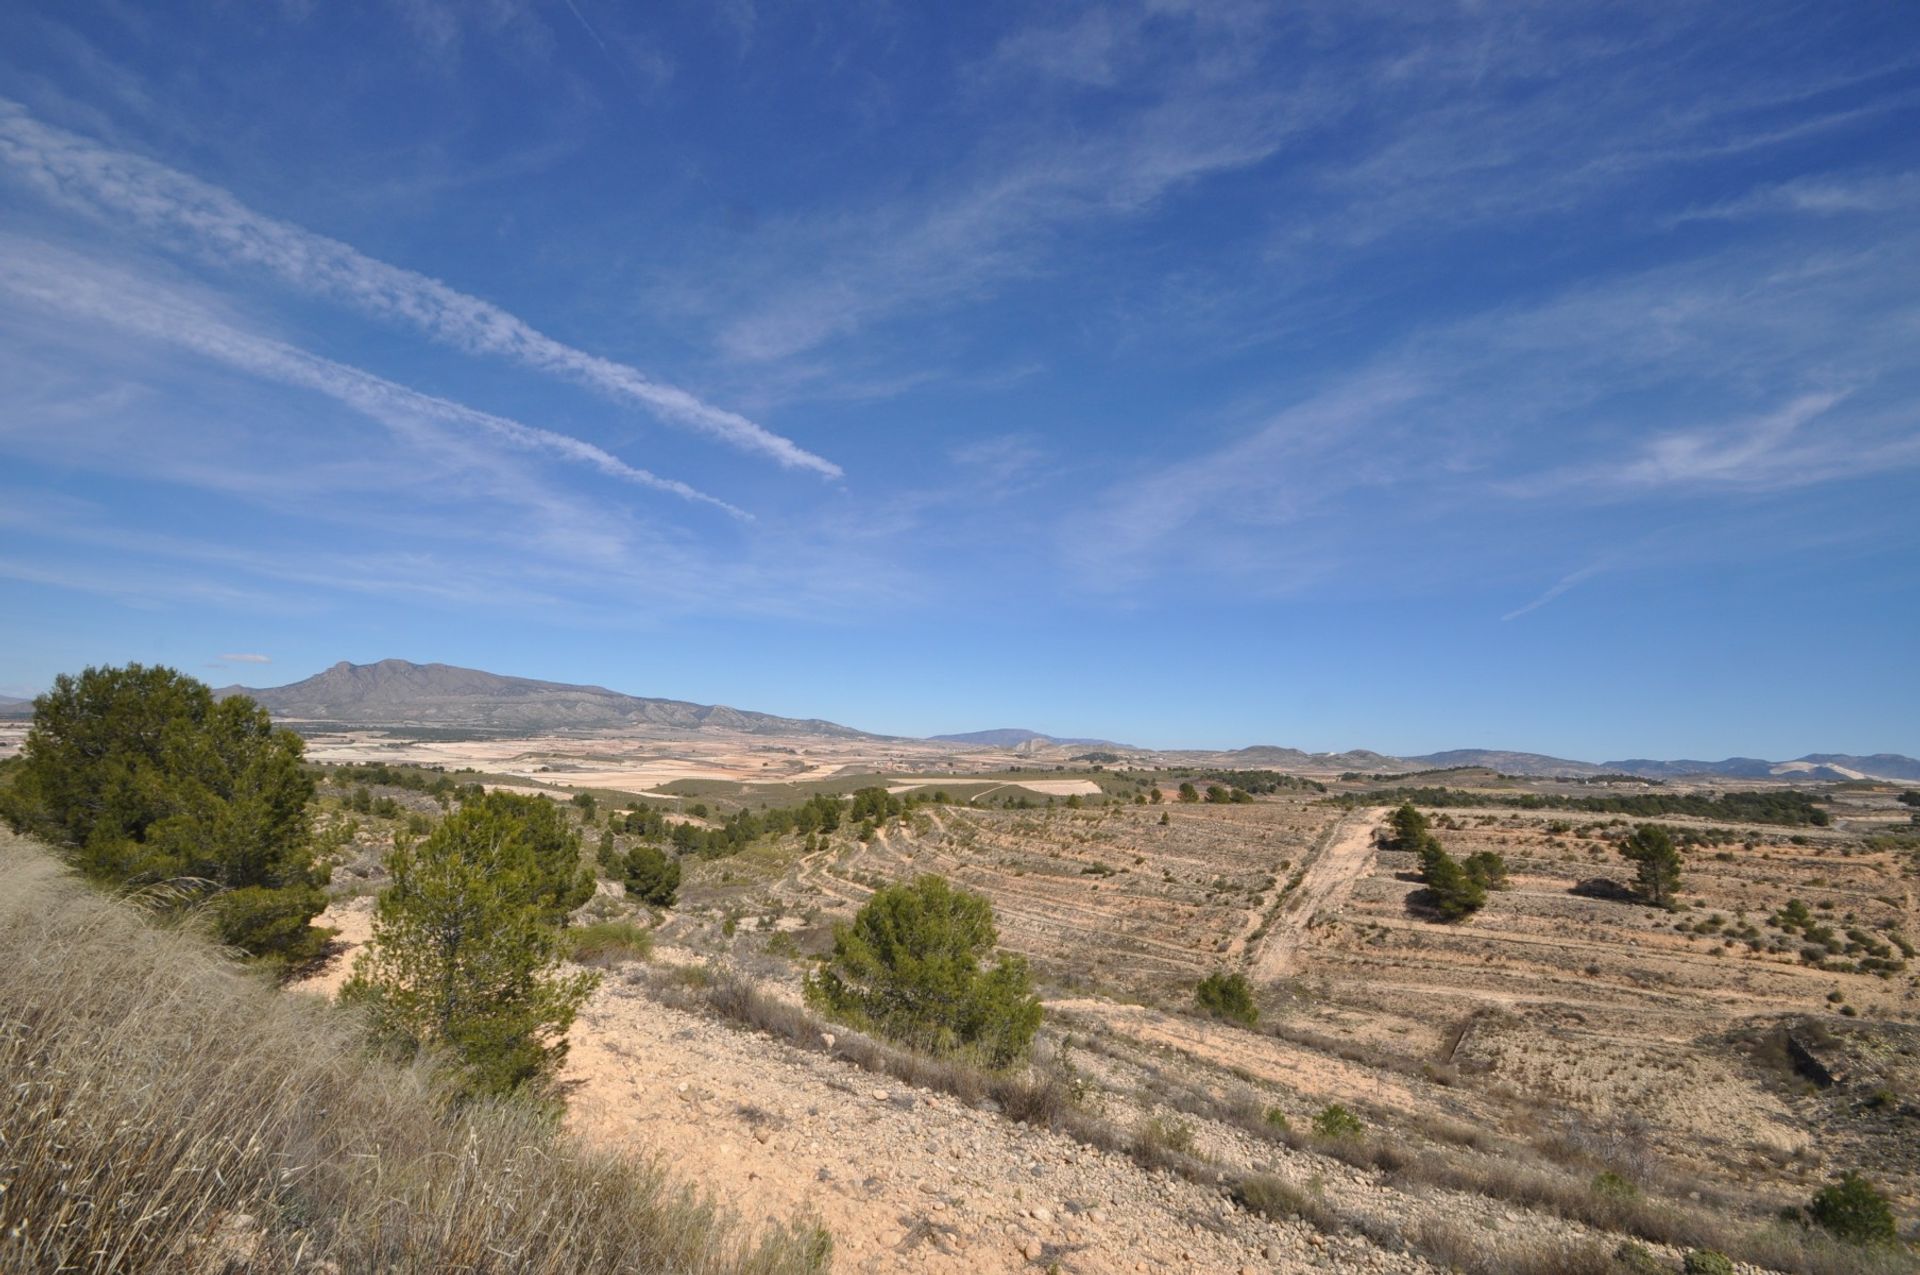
x=1853, y=1210
x=1275, y=1197
x=1228, y=996
x=1610, y=1185
x=1704, y=1261
x=1162, y=1141
x=1638, y=1259
x=1278, y=1119
x=1335, y=1121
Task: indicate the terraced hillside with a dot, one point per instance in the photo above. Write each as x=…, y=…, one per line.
x=1563, y=999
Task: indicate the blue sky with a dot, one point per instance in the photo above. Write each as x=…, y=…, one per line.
x=1336, y=375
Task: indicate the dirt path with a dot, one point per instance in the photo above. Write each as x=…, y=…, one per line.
x=1330, y=877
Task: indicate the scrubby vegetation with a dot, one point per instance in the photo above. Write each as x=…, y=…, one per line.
x=652, y=876
x=166, y=1112
x=909, y=968
x=146, y=780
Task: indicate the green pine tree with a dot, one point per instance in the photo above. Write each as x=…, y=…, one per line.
x=144, y=777
x=652, y=876
x=465, y=954
x=909, y=967
x=1410, y=828
x=1658, y=874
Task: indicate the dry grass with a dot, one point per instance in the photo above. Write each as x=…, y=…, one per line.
x=608, y=943
x=168, y=1111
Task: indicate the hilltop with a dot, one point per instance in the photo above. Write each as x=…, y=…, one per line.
x=401, y=693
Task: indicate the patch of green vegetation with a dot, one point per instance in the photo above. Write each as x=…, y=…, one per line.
x=1228, y=996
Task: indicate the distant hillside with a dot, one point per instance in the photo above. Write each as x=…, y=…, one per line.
x=1015, y=737
x=400, y=693
x=1509, y=763
x=1814, y=766
x=11, y=707
x=1271, y=757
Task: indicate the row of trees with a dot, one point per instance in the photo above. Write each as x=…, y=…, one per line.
x=1456, y=889
x=1791, y=806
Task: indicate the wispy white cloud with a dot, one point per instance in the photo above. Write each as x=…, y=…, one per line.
x=1825, y=195
x=1558, y=587
x=1761, y=453
x=190, y=213
x=247, y=657
x=1594, y=397
x=74, y=286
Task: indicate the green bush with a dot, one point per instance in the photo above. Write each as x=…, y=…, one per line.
x=909, y=967
x=652, y=876
x=1453, y=891
x=1228, y=996
x=1704, y=1261
x=1335, y=1121
x=1487, y=869
x=1853, y=1210
x=144, y=778
x=1638, y=1259
x=1610, y=1185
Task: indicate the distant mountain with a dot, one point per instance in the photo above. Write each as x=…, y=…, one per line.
x=1508, y=763
x=400, y=693
x=1272, y=757
x=1015, y=737
x=11, y=707
x=1878, y=765
x=1814, y=766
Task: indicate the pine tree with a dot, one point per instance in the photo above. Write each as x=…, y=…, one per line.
x=1658, y=875
x=1456, y=894
x=146, y=778
x=465, y=953
x=909, y=968
x=652, y=876
x=1410, y=828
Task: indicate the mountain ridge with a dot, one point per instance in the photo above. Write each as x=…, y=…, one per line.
x=402, y=693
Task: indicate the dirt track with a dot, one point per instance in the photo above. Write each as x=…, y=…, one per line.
x=1330, y=877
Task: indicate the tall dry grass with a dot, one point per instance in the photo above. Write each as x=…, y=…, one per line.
x=166, y=1110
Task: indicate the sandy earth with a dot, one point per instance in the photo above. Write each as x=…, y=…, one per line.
x=906, y=1180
